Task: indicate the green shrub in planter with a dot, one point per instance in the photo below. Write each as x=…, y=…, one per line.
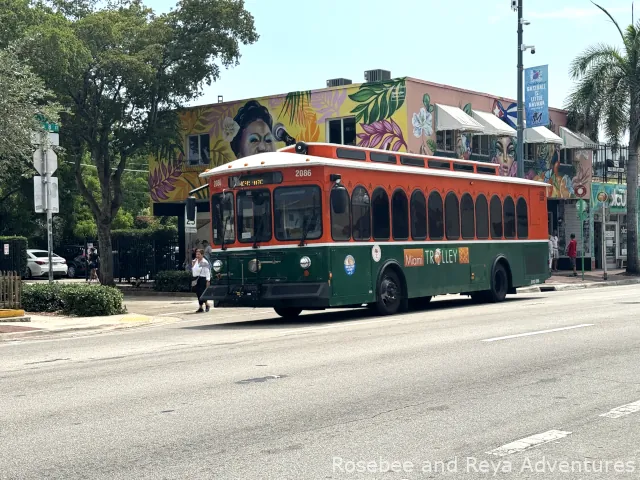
x=91, y=300
x=79, y=299
x=173, y=281
x=42, y=297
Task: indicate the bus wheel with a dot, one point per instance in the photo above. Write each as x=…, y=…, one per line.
x=390, y=293
x=288, y=312
x=499, y=284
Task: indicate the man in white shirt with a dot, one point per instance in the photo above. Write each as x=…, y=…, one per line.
x=556, y=254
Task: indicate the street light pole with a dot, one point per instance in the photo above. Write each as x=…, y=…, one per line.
x=520, y=140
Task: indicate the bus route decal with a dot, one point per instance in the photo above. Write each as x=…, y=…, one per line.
x=414, y=257
x=349, y=264
x=376, y=253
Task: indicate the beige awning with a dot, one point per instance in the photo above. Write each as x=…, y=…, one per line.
x=493, y=125
x=541, y=135
x=453, y=118
x=571, y=139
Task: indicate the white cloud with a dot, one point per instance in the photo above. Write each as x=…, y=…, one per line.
x=574, y=13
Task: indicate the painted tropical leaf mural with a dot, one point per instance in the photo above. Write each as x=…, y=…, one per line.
x=215, y=117
x=468, y=110
x=220, y=153
x=295, y=105
x=377, y=101
x=383, y=134
x=195, y=120
x=328, y=103
x=163, y=179
x=311, y=131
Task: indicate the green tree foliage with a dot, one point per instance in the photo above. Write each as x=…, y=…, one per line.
x=122, y=71
x=607, y=94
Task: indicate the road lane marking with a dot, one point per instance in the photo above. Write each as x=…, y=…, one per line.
x=622, y=411
x=539, y=332
x=528, y=442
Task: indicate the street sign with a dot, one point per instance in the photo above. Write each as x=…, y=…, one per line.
x=190, y=226
x=38, y=199
x=52, y=161
x=6, y=249
x=53, y=139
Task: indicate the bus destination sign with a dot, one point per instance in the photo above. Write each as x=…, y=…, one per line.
x=255, y=180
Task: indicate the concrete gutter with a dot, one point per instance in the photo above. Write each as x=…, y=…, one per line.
x=559, y=287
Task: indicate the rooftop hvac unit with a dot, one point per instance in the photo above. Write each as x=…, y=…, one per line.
x=377, y=75
x=337, y=82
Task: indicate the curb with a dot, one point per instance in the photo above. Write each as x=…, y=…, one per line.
x=153, y=293
x=10, y=313
x=578, y=286
x=124, y=324
x=20, y=319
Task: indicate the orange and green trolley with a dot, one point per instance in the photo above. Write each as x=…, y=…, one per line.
x=318, y=226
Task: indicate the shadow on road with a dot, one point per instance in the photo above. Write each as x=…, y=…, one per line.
x=328, y=317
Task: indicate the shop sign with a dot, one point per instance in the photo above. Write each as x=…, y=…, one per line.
x=614, y=197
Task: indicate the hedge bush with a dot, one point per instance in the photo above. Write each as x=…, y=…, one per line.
x=173, y=281
x=16, y=260
x=73, y=299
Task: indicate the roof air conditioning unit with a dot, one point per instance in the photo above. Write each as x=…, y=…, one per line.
x=337, y=82
x=377, y=75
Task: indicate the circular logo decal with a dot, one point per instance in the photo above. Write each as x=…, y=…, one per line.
x=349, y=264
x=581, y=191
x=376, y=253
x=602, y=196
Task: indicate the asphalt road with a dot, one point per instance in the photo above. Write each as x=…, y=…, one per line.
x=443, y=393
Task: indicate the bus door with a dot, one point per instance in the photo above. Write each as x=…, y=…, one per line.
x=351, y=273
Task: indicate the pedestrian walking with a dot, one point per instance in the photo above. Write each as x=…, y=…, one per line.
x=556, y=254
x=200, y=278
x=207, y=251
x=550, y=252
x=572, y=251
x=94, y=262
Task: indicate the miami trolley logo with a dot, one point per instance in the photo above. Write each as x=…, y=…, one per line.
x=445, y=256
x=349, y=265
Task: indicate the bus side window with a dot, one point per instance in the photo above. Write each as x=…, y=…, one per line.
x=496, y=217
x=360, y=214
x=467, y=217
x=340, y=217
x=418, y=215
x=509, y=218
x=380, y=214
x=400, y=215
x=523, y=218
x=436, y=230
x=452, y=216
x=482, y=217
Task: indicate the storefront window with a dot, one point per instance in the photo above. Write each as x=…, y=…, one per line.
x=622, y=241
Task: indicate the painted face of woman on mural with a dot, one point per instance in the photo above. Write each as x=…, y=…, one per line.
x=505, y=156
x=252, y=130
x=256, y=138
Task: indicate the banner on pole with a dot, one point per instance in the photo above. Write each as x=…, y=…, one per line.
x=536, y=96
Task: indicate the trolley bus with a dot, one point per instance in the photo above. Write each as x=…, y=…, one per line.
x=318, y=226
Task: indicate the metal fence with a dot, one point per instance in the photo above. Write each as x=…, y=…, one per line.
x=610, y=164
x=142, y=259
x=10, y=290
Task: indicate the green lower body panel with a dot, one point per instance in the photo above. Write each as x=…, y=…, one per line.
x=348, y=274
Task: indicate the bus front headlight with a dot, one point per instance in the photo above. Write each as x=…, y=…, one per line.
x=305, y=262
x=217, y=265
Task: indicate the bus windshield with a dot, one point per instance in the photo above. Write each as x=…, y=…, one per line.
x=254, y=215
x=223, y=218
x=297, y=213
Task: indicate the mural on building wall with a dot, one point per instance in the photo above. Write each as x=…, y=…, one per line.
x=576, y=184
x=507, y=113
x=503, y=153
x=376, y=103
x=240, y=129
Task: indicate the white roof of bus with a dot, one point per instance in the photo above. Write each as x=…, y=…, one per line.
x=280, y=159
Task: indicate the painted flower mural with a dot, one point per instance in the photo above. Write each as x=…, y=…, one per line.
x=422, y=123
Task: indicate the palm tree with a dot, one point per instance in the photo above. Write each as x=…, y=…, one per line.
x=607, y=94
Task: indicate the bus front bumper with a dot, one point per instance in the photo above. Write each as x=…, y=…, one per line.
x=300, y=295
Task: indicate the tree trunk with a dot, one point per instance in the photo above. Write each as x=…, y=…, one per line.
x=106, y=253
x=632, y=208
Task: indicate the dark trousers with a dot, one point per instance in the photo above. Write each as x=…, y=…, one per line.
x=201, y=286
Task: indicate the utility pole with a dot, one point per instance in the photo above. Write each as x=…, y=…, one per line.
x=520, y=140
x=48, y=206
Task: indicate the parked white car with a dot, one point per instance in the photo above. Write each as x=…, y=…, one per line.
x=38, y=264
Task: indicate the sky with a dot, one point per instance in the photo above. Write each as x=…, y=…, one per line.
x=470, y=44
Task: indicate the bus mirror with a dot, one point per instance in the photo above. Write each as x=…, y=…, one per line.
x=191, y=209
x=339, y=200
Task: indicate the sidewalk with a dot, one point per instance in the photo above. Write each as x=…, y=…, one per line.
x=39, y=325
x=564, y=280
